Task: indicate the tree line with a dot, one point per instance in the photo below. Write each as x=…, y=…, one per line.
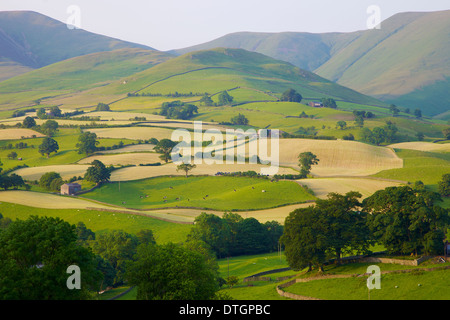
x=403, y=220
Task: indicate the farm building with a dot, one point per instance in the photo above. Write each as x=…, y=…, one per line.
x=316, y=104
x=70, y=188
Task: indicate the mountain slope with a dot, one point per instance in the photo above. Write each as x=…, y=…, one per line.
x=224, y=68
x=410, y=53
x=32, y=40
x=406, y=62
x=76, y=75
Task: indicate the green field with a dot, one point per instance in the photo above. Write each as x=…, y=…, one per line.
x=103, y=221
x=415, y=285
x=201, y=192
x=427, y=167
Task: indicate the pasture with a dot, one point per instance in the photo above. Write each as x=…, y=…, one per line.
x=218, y=193
x=18, y=133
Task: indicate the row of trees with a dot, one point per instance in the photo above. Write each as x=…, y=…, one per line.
x=232, y=235
x=405, y=221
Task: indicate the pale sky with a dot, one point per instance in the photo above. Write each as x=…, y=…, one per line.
x=174, y=24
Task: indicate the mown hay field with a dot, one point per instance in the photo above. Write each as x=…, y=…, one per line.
x=123, y=158
x=323, y=186
x=339, y=157
x=170, y=169
x=66, y=171
x=422, y=146
x=18, y=133
x=133, y=133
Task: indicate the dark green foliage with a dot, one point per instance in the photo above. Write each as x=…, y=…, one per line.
x=172, y=272
x=407, y=221
x=444, y=185
x=102, y=107
x=178, y=110
x=291, y=95
x=306, y=161
x=117, y=248
x=87, y=143
x=327, y=230
x=304, y=239
x=233, y=235
x=165, y=146
x=97, y=172
x=49, y=127
x=46, y=180
x=34, y=257
x=48, y=146
x=225, y=99
x=206, y=101
x=329, y=103
x=240, y=119
x=29, y=122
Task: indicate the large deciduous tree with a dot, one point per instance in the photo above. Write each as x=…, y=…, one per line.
x=306, y=161
x=172, y=272
x=48, y=146
x=87, y=143
x=407, y=221
x=34, y=257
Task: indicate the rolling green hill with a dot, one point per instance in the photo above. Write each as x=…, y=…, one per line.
x=406, y=62
x=224, y=69
x=76, y=74
x=32, y=40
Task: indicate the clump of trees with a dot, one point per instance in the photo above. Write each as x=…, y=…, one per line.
x=291, y=95
x=329, y=103
x=48, y=145
x=51, y=181
x=87, y=143
x=402, y=219
x=35, y=254
x=240, y=119
x=102, y=107
x=379, y=135
x=178, y=110
x=232, y=235
x=97, y=172
x=225, y=99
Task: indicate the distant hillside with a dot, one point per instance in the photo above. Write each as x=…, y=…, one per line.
x=30, y=40
x=224, y=68
x=76, y=74
x=406, y=62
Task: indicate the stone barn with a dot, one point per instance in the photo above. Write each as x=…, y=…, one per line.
x=70, y=188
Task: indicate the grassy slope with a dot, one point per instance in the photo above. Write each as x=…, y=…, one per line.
x=102, y=221
x=408, y=52
x=202, y=192
x=427, y=167
x=76, y=74
x=242, y=68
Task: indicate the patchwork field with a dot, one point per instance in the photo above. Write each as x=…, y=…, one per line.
x=133, y=133
x=422, y=146
x=13, y=134
x=135, y=158
x=170, y=169
x=339, y=158
x=219, y=193
x=66, y=171
x=323, y=186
